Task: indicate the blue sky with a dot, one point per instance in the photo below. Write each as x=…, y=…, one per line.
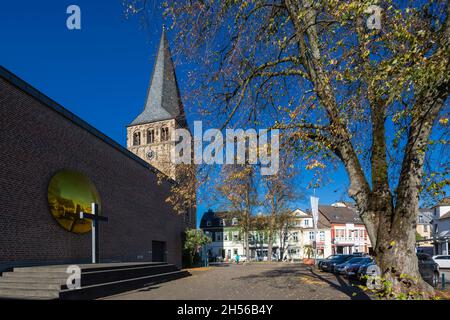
x=100, y=72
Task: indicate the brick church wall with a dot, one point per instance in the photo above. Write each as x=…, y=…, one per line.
x=38, y=138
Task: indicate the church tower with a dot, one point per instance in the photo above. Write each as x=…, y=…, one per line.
x=149, y=135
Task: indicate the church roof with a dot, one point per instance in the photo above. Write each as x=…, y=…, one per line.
x=163, y=100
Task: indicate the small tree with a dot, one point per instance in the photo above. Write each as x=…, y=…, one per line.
x=195, y=239
x=279, y=191
x=309, y=250
x=238, y=188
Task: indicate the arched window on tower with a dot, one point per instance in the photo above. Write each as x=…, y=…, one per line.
x=136, y=139
x=164, y=134
x=150, y=136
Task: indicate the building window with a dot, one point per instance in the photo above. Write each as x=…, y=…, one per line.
x=150, y=136
x=208, y=223
x=222, y=222
x=136, y=139
x=311, y=235
x=306, y=222
x=235, y=236
x=425, y=228
x=322, y=235
x=295, y=236
x=164, y=134
x=225, y=236
x=218, y=236
x=235, y=252
x=234, y=221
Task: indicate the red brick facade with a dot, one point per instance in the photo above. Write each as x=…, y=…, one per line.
x=37, y=138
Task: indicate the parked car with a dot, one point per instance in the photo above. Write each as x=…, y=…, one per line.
x=429, y=270
x=328, y=265
x=362, y=271
x=342, y=268
x=360, y=254
x=443, y=261
x=319, y=261
x=352, y=267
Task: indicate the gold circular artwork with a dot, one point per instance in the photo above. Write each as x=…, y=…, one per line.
x=69, y=193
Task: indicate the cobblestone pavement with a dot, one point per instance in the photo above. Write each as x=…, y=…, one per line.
x=253, y=281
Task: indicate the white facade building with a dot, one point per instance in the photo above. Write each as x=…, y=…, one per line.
x=441, y=226
x=304, y=241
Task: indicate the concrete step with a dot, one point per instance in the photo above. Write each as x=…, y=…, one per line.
x=96, y=281
x=32, y=280
x=24, y=293
x=30, y=285
x=40, y=269
x=4, y=297
x=36, y=275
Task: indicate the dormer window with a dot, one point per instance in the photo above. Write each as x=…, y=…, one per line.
x=234, y=221
x=136, y=139
x=164, y=134
x=150, y=136
x=222, y=222
x=208, y=223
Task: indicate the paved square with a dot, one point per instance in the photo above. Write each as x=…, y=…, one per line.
x=259, y=281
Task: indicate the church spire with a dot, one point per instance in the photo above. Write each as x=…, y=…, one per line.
x=163, y=100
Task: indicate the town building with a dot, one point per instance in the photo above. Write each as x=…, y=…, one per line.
x=297, y=240
x=226, y=238
x=304, y=241
x=441, y=226
x=348, y=232
x=424, y=230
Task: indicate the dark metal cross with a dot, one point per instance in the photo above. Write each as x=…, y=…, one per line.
x=95, y=217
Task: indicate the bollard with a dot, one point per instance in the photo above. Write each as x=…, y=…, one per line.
x=443, y=281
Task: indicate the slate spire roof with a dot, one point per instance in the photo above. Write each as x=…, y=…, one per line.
x=163, y=100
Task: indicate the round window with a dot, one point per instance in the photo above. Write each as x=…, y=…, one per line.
x=69, y=193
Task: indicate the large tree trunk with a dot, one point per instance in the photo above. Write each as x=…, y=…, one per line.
x=395, y=253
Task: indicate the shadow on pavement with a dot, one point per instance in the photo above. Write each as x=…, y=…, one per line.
x=350, y=289
x=148, y=288
x=306, y=272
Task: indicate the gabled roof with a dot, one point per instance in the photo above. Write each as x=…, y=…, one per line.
x=163, y=100
x=444, y=202
x=340, y=214
x=299, y=213
x=216, y=218
x=445, y=216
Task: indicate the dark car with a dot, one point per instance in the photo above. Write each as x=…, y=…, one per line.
x=328, y=265
x=359, y=254
x=352, y=267
x=320, y=261
x=362, y=270
x=342, y=268
x=429, y=270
